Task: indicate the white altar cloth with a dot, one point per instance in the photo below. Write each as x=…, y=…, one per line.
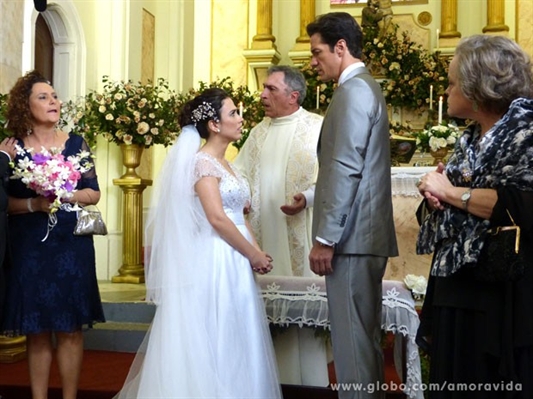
x=302, y=301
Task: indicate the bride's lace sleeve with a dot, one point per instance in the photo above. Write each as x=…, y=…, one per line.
x=206, y=167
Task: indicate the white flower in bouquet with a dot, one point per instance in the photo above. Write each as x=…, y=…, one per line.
x=51, y=175
x=417, y=285
x=437, y=137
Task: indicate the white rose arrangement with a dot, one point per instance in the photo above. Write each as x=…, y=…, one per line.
x=417, y=285
x=437, y=137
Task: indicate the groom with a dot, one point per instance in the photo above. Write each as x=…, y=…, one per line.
x=353, y=224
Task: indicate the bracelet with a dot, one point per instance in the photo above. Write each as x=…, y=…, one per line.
x=28, y=204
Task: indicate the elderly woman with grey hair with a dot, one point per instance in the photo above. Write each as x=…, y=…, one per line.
x=479, y=333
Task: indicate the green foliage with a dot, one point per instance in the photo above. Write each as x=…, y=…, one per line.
x=3, y=119
x=408, y=70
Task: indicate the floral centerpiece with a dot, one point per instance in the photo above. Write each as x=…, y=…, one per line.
x=126, y=113
x=437, y=137
x=417, y=285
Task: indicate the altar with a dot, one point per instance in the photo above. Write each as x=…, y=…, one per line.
x=301, y=303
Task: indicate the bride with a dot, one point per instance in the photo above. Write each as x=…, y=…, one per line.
x=209, y=337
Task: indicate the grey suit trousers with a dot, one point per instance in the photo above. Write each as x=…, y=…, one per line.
x=354, y=301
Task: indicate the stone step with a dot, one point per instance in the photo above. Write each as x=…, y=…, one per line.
x=125, y=327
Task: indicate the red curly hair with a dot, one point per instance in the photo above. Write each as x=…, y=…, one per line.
x=20, y=119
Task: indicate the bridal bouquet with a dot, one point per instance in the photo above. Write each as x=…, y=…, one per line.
x=50, y=174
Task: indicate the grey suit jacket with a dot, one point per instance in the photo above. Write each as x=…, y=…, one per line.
x=353, y=202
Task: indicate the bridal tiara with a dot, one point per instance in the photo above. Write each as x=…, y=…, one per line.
x=204, y=111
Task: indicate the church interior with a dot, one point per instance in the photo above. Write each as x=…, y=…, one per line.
x=76, y=43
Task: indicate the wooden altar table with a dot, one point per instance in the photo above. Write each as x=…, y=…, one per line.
x=302, y=302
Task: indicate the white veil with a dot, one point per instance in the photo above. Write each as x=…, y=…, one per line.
x=175, y=267
x=173, y=218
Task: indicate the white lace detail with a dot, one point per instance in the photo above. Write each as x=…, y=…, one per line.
x=237, y=192
x=302, y=301
x=404, y=180
x=294, y=140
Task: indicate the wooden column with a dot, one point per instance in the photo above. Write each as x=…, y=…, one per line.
x=495, y=17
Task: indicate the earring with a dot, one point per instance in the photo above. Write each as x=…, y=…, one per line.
x=475, y=107
x=218, y=130
x=28, y=132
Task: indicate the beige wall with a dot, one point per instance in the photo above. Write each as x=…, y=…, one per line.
x=10, y=43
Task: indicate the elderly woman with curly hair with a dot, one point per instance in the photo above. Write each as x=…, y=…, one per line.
x=479, y=332
x=52, y=291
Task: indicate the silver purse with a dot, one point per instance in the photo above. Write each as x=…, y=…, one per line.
x=90, y=222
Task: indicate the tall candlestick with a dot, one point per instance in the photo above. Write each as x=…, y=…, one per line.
x=431, y=97
x=241, y=109
x=317, y=97
x=440, y=110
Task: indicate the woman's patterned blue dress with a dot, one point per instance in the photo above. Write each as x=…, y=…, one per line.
x=51, y=285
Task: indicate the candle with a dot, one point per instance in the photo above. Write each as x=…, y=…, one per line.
x=440, y=110
x=317, y=97
x=438, y=37
x=431, y=97
x=241, y=109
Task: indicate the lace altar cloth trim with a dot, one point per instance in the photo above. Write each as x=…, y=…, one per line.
x=302, y=301
x=403, y=180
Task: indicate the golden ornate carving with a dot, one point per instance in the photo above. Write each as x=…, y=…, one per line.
x=424, y=18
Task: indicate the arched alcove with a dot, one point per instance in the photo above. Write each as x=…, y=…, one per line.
x=69, y=48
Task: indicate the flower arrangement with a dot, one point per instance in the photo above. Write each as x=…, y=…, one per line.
x=315, y=87
x=417, y=285
x=126, y=113
x=437, y=137
x=408, y=70
x=50, y=174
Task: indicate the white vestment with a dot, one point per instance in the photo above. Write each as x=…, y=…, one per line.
x=279, y=160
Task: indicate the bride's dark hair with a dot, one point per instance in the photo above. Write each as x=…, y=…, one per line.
x=199, y=110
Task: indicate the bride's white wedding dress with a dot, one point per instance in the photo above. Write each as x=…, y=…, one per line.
x=209, y=337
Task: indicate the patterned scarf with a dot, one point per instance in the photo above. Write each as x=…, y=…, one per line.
x=502, y=157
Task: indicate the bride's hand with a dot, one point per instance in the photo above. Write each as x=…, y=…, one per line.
x=261, y=262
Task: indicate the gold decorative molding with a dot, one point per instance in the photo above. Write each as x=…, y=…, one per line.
x=424, y=18
x=264, y=38
x=448, y=22
x=12, y=349
x=495, y=17
x=258, y=63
